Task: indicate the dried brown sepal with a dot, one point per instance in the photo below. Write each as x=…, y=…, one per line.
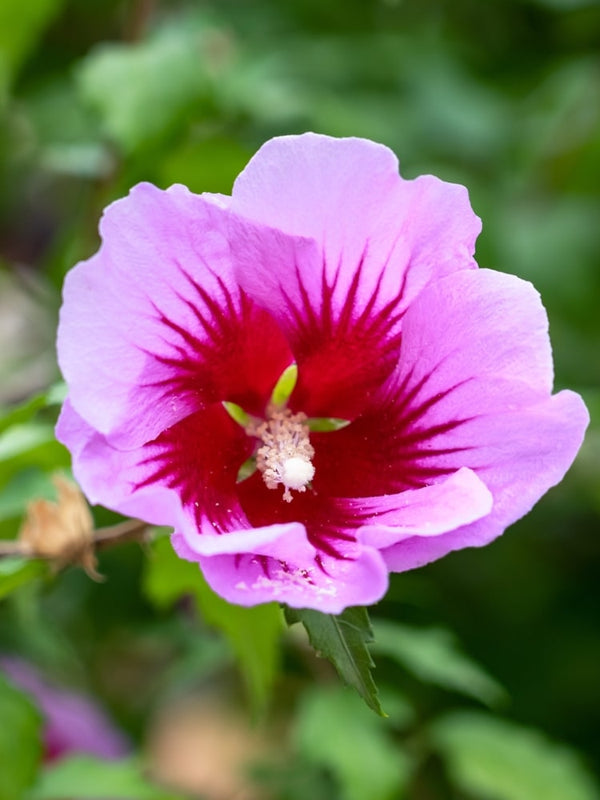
x=61, y=531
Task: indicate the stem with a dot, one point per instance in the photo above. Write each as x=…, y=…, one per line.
x=130, y=530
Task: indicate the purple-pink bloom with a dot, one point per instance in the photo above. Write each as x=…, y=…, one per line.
x=73, y=722
x=323, y=257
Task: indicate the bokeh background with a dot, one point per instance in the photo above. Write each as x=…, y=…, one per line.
x=502, y=96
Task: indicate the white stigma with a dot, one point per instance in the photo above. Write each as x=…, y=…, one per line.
x=286, y=452
x=297, y=472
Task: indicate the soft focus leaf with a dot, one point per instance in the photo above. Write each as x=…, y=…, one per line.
x=253, y=633
x=20, y=489
x=26, y=411
x=334, y=730
x=433, y=656
x=22, y=413
x=19, y=439
x=21, y=22
x=205, y=164
x=167, y=577
x=88, y=777
x=141, y=90
x=498, y=760
x=66, y=131
x=296, y=779
x=29, y=446
x=29, y=452
x=20, y=741
x=15, y=572
x=343, y=639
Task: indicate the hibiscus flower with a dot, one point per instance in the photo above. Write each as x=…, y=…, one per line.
x=422, y=419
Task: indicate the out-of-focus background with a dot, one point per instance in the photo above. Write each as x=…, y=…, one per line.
x=502, y=96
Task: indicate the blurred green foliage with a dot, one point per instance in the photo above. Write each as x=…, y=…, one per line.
x=503, y=96
x=88, y=777
x=492, y=758
x=20, y=741
x=254, y=633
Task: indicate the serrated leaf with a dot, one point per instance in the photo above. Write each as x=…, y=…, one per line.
x=433, y=656
x=343, y=639
x=254, y=633
x=20, y=741
x=88, y=777
x=334, y=730
x=489, y=757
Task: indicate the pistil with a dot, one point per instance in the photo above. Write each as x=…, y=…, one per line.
x=285, y=455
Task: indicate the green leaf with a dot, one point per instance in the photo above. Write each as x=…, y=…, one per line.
x=21, y=23
x=334, y=730
x=29, y=453
x=206, y=164
x=254, y=633
x=88, y=777
x=433, y=656
x=30, y=445
x=20, y=741
x=15, y=415
x=15, y=572
x=19, y=439
x=343, y=640
x=21, y=489
x=491, y=758
x=142, y=90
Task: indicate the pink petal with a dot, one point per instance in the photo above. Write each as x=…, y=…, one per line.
x=273, y=541
x=459, y=500
x=279, y=562
x=519, y=456
x=476, y=326
x=328, y=585
x=154, y=326
x=185, y=478
x=378, y=239
x=329, y=527
x=347, y=195
x=473, y=390
x=473, y=344
x=108, y=476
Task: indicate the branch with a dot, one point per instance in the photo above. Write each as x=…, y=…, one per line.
x=130, y=530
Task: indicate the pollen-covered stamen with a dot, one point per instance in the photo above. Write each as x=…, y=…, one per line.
x=286, y=452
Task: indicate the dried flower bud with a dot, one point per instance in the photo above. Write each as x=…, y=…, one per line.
x=61, y=531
